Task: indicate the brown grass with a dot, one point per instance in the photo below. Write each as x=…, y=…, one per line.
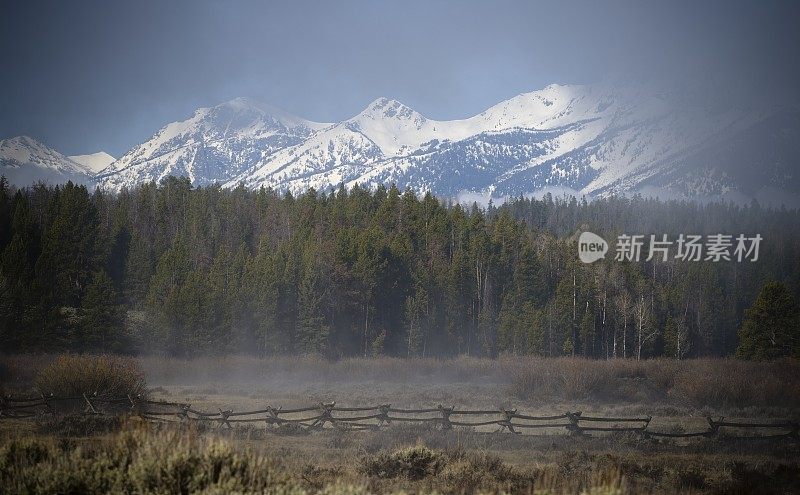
x=104, y=376
x=142, y=458
x=718, y=383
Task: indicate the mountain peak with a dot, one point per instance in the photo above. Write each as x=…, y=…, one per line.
x=388, y=108
x=21, y=149
x=245, y=104
x=383, y=101
x=24, y=140
x=213, y=145
x=93, y=162
x=25, y=160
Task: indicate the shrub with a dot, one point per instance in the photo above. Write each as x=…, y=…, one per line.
x=736, y=383
x=79, y=425
x=476, y=472
x=414, y=463
x=698, y=382
x=105, y=375
x=137, y=460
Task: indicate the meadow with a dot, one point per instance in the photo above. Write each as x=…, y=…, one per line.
x=97, y=454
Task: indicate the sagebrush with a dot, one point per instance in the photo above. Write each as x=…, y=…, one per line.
x=107, y=376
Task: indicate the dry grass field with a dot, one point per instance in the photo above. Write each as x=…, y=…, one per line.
x=80, y=455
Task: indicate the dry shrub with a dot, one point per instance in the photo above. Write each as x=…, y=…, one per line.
x=414, y=463
x=699, y=382
x=137, y=460
x=79, y=425
x=107, y=376
x=142, y=459
x=735, y=383
x=561, y=378
x=662, y=372
x=459, y=471
x=480, y=471
x=581, y=380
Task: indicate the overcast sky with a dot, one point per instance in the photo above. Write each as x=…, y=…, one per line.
x=86, y=76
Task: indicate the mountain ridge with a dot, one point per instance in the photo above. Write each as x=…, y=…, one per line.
x=591, y=139
x=25, y=160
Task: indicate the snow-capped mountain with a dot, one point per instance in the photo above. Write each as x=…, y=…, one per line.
x=93, y=163
x=214, y=145
x=25, y=161
x=593, y=140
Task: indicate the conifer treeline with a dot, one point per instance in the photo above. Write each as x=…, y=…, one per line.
x=169, y=268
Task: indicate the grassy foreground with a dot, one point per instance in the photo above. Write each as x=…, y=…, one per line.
x=141, y=459
x=102, y=455
x=144, y=458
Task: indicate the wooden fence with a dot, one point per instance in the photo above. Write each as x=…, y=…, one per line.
x=375, y=417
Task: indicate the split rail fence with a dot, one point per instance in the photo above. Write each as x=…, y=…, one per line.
x=324, y=415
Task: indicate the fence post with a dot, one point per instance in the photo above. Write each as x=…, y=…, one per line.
x=184, y=412
x=643, y=431
x=508, y=415
x=135, y=408
x=445, y=419
x=795, y=431
x=89, y=407
x=47, y=404
x=574, y=428
x=223, y=417
x=326, y=415
x=713, y=427
x=384, y=412
x=273, y=418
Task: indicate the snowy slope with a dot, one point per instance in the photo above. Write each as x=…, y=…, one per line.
x=593, y=139
x=213, y=145
x=25, y=161
x=93, y=163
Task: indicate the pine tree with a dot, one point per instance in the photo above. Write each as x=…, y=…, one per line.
x=417, y=313
x=30, y=315
x=69, y=246
x=312, y=329
x=772, y=325
x=260, y=305
x=101, y=316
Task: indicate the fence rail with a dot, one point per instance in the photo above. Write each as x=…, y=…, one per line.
x=372, y=417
